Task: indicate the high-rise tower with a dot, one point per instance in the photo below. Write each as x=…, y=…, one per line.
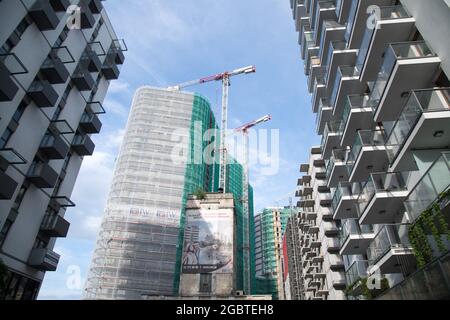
x=166, y=155
x=54, y=75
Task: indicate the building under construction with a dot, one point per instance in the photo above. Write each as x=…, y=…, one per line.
x=139, y=247
x=270, y=226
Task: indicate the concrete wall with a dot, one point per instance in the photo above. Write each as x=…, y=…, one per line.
x=433, y=22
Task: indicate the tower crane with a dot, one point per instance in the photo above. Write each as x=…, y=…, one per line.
x=225, y=78
x=245, y=206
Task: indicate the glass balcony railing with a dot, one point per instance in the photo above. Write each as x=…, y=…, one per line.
x=364, y=138
x=332, y=127
x=351, y=19
x=435, y=181
x=386, y=13
x=389, y=237
x=428, y=283
x=351, y=227
x=344, y=189
x=324, y=103
x=322, y=5
x=334, y=46
x=338, y=156
x=338, y=8
x=419, y=102
x=379, y=182
x=343, y=72
x=328, y=24
x=353, y=102
x=395, y=52
x=357, y=271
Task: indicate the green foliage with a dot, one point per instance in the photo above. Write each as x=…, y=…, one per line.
x=368, y=294
x=200, y=194
x=427, y=220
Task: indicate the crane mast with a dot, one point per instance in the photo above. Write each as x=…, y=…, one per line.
x=225, y=78
x=245, y=199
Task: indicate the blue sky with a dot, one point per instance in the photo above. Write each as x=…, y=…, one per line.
x=173, y=41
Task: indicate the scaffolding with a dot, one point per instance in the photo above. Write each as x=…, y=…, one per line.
x=273, y=226
x=139, y=247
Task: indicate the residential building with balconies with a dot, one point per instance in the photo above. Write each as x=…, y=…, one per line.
x=378, y=72
x=314, y=240
x=52, y=84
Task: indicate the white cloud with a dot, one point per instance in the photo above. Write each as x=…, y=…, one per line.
x=119, y=86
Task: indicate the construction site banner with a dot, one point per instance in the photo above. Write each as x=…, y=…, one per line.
x=151, y=215
x=208, y=241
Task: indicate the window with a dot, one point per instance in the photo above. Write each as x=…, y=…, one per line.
x=19, y=287
x=205, y=282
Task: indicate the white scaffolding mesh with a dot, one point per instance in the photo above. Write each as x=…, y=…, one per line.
x=136, y=248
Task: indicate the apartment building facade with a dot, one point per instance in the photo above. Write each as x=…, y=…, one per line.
x=53, y=79
x=322, y=268
x=378, y=75
x=160, y=164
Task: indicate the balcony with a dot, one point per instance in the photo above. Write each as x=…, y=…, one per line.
x=83, y=145
x=312, y=62
x=7, y=186
x=336, y=263
x=116, y=51
x=393, y=24
x=357, y=115
x=324, y=115
x=325, y=10
x=8, y=87
x=54, y=70
x=381, y=199
x=354, y=275
x=43, y=259
x=330, y=138
x=430, y=187
x=333, y=245
x=368, y=154
x=390, y=251
x=330, y=229
x=43, y=15
x=90, y=123
x=82, y=79
x=355, y=239
x=42, y=175
x=345, y=200
x=110, y=70
x=407, y=66
x=342, y=10
x=332, y=31
x=90, y=60
x=423, y=124
x=87, y=19
x=60, y=5
x=357, y=20
x=54, y=147
x=304, y=167
x=320, y=88
x=338, y=55
x=43, y=94
x=346, y=83
x=428, y=283
x=96, y=6
x=55, y=226
x=299, y=12
x=337, y=168
x=307, y=44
